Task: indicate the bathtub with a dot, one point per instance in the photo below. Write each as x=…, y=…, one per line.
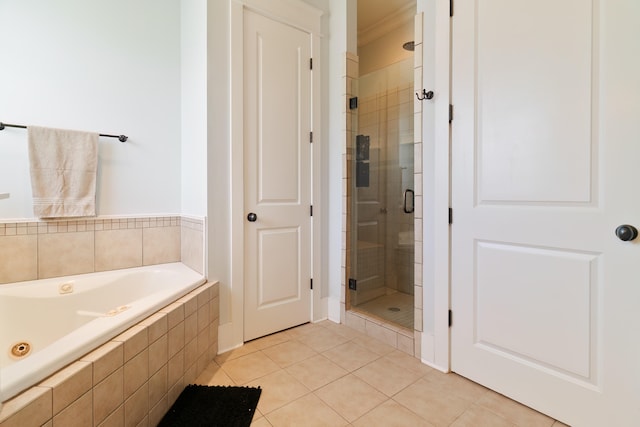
x=47, y=324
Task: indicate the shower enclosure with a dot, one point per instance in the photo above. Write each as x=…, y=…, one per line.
x=381, y=282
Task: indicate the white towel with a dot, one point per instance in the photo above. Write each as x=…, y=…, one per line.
x=63, y=166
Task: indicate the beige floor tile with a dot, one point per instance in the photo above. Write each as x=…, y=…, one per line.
x=301, y=330
x=260, y=422
x=353, y=381
x=391, y=414
x=514, y=411
x=247, y=348
x=350, y=397
x=477, y=416
x=322, y=339
x=351, y=356
x=345, y=331
x=457, y=385
x=559, y=424
x=409, y=362
x=248, y=368
x=438, y=407
x=214, y=375
x=374, y=345
x=278, y=389
x=316, y=372
x=271, y=340
x=288, y=353
x=308, y=411
x=386, y=376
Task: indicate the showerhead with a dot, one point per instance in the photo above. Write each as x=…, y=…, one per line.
x=410, y=46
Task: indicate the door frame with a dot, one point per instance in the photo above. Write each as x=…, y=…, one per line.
x=436, y=183
x=308, y=19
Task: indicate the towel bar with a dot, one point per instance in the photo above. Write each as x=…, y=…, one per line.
x=121, y=138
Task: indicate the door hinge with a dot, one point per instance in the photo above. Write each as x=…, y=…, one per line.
x=311, y=210
x=450, y=216
x=311, y=137
x=450, y=113
x=311, y=63
x=450, y=318
x=353, y=103
x=353, y=284
x=311, y=282
x=450, y=7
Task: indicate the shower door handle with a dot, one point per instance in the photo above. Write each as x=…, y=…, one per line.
x=406, y=207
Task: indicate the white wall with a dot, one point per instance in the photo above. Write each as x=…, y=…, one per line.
x=194, y=106
x=111, y=66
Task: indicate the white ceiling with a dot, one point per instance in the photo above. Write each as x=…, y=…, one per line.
x=372, y=12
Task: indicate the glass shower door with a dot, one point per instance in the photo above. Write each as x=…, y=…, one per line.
x=382, y=196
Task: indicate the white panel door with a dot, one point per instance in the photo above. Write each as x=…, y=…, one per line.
x=545, y=146
x=277, y=153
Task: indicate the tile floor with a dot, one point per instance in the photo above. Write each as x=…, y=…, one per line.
x=326, y=374
x=396, y=307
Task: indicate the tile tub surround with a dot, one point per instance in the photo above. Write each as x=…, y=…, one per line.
x=31, y=250
x=132, y=379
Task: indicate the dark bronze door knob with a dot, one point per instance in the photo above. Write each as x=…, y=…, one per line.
x=626, y=232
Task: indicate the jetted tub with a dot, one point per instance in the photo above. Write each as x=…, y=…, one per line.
x=47, y=324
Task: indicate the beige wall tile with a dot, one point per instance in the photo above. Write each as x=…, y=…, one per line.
x=157, y=325
x=203, y=342
x=381, y=333
x=158, y=386
x=118, y=249
x=69, y=384
x=157, y=412
x=192, y=248
x=203, y=317
x=78, y=413
x=175, y=368
x=190, y=374
x=160, y=245
x=203, y=362
x=135, y=340
x=115, y=419
x=158, y=354
x=136, y=407
x=175, y=314
x=108, y=396
x=405, y=344
x=174, y=393
x=106, y=359
x=190, y=327
x=136, y=373
x=64, y=254
x=190, y=353
x=32, y=407
x=176, y=339
x=203, y=293
x=214, y=312
x=190, y=302
x=18, y=258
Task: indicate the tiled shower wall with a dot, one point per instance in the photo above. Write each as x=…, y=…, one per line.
x=31, y=250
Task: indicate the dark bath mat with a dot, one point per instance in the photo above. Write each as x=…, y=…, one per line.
x=200, y=405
